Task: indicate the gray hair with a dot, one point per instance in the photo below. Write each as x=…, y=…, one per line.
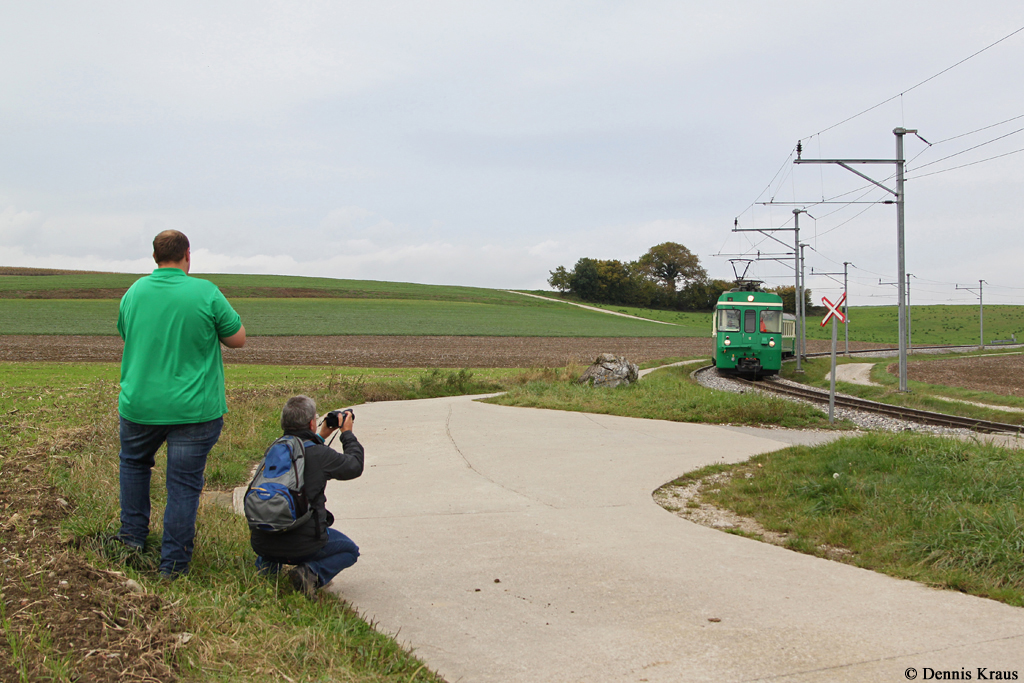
x=297, y=412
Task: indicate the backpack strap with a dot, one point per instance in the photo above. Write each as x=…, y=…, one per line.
x=316, y=517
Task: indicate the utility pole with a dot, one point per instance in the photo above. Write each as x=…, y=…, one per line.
x=846, y=309
x=894, y=284
x=981, y=308
x=797, y=290
x=900, y=251
x=910, y=336
x=846, y=313
x=803, y=303
x=901, y=254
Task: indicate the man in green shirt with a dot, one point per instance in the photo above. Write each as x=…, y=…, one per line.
x=172, y=390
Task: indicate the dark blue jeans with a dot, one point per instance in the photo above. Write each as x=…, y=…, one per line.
x=187, y=448
x=339, y=553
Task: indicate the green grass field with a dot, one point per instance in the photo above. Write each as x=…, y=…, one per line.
x=85, y=303
x=327, y=316
x=75, y=285
x=928, y=324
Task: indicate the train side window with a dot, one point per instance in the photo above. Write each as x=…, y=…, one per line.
x=728, y=320
x=771, y=321
x=750, y=321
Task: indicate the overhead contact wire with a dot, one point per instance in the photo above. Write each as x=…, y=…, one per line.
x=914, y=87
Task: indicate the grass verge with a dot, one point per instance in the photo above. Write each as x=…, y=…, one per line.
x=67, y=607
x=946, y=512
x=667, y=394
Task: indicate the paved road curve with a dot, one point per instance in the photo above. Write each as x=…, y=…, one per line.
x=509, y=544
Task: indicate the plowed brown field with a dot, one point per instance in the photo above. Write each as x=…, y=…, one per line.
x=391, y=352
x=1001, y=374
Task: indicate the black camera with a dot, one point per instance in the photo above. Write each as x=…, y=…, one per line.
x=335, y=418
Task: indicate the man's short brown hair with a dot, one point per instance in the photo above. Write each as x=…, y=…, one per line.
x=169, y=247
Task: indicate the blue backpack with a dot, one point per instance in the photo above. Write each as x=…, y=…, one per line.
x=276, y=501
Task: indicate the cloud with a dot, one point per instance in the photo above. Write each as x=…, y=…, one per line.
x=15, y=256
x=485, y=144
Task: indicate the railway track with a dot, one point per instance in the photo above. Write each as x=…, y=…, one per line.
x=899, y=412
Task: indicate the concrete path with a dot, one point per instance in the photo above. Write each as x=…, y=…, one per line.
x=520, y=545
x=854, y=373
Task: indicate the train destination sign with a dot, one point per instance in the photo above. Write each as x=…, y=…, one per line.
x=834, y=310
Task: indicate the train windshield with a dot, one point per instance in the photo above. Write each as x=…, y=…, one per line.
x=771, y=321
x=728, y=320
x=749, y=316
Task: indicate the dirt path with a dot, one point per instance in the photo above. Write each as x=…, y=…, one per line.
x=590, y=308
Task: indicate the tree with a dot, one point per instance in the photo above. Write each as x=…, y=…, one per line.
x=584, y=280
x=671, y=263
x=788, y=297
x=702, y=295
x=616, y=285
x=560, y=279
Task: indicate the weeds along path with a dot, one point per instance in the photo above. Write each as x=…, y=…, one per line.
x=509, y=544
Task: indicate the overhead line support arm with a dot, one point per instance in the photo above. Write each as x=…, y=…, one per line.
x=899, y=161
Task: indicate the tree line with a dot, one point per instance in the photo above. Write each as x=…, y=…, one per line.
x=668, y=276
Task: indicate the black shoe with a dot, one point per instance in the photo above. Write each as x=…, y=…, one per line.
x=169, y=577
x=129, y=544
x=129, y=552
x=119, y=549
x=304, y=580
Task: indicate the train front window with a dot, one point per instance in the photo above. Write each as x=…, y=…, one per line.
x=771, y=321
x=749, y=317
x=728, y=320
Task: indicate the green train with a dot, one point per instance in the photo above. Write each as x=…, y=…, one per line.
x=751, y=333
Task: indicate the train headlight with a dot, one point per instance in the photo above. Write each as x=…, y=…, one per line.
x=771, y=342
x=727, y=342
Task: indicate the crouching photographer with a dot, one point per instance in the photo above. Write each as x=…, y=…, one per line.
x=285, y=504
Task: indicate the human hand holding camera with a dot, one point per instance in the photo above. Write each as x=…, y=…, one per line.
x=337, y=419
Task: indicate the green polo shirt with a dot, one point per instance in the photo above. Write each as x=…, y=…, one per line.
x=171, y=369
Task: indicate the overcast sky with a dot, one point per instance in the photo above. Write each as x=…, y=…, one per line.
x=487, y=143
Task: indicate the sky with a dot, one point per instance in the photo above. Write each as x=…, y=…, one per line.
x=485, y=144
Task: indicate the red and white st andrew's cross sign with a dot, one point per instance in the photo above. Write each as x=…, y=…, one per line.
x=834, y=310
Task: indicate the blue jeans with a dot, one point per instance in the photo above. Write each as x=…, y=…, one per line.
x=339, y=553
x=187, y=448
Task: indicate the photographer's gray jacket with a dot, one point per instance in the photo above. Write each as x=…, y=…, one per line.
x=322, y=463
